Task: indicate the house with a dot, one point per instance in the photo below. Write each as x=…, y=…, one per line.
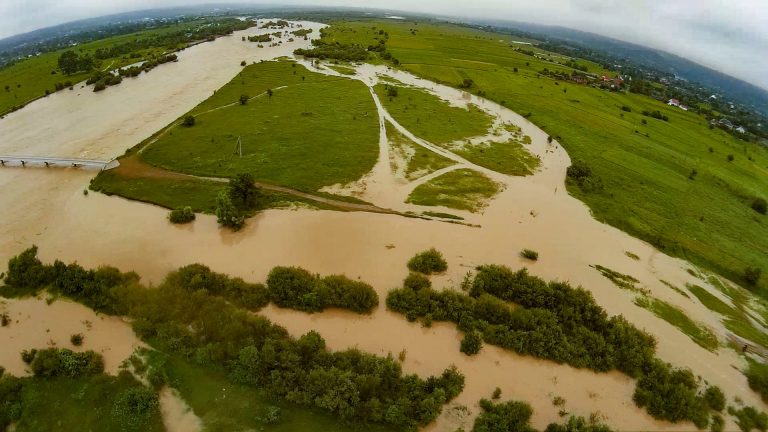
x=673, y=102
x=741, y=130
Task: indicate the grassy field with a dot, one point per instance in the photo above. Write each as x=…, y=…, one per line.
x=645, y=168
x=82, y=404
x=30, y=78
x=461, y=189
x=418, y=160
x=671, y=314
x=430, y=118
x=223, y=406
x=510, y=157
x=313, y=131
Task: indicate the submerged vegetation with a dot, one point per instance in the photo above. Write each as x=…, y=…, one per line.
x=185, y=318
x=461, y=189
x=557, y=322
x=428, y=262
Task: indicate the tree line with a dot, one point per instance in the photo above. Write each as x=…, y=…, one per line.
x=184, y=315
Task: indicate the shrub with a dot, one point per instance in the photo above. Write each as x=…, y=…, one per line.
x=731, y=158
x=27, y=272
x=577, y=424
x=189, y=121
x=76, y=339
x=199, y=278
x=181, y=215
x=416, y=281
x=580, y=173
x=243, y=99
x=99, y=86
x=243, y=191
x=757, y=377
x=472, y=343
x=342, y=292
x=428, y=262
x=671, y=394
x=243, y=63
x=748, y=418
x=134, y=407
x=759, y=205
x=28, y=355
x=718, y=424
x=715, y=398
x=626, y=108
x=391, y=91
x=227, y=214
x=294, y=287
x=530, y=254
x=503, y=417
x=54, y=362
x=496, y=393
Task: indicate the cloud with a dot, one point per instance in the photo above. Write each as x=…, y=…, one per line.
x=727, y=35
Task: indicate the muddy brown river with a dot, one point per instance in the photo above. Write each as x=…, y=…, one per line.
x=47, y=207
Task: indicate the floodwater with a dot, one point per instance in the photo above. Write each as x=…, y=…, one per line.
x=48, y=208
x=36, y=324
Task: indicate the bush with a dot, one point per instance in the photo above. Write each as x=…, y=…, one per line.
x=342, y=292
x=580, y=173
x=54, y=362
x=227, y=214
x=577, y=424
x=714, y=398
x=757, y=377
x=181, y=215
x=243, y=99
x=243, y=191
x=472, y=343
x=671, y=394
x=428, y=262
x=28, y=355
x=189, y=121
x=134, y=407
x=296, y=288
x=76, y=339
x=26, y=272
x=759, y=205
x=503, y=417
x=748, y=419
x=199, y=278
x=626, y=108
x=416, y=281
x=530, y=254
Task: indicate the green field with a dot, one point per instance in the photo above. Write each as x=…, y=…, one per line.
x=645, y=168
x=430, y=118
x=418, y=160
x=313, y=131
x=462, y=189
x=509, y=157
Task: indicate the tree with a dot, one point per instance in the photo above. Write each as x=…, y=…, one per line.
x=472, y=343
x=428, y=262
x=269, y=93
x=243, y=191
x=189, y=121
x=69, y=62
x=226, y=213
x=243, y=99
x=181, y=215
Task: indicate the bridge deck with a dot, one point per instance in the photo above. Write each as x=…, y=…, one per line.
x=56, y=162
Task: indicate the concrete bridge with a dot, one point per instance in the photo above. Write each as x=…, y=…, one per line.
x=40, y=161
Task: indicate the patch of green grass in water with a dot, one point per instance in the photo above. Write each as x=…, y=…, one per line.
x=462, y=189
x=735, y=320
x=422, y=162
x=671, y=314
x=510, y=158
x=431, y=118
x=315, y=132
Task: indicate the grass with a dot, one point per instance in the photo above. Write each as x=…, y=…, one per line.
x=431, y=118
x=317, y=131
x=344, y=70
x=419, y=161
x=199, y=194
x=671, y=314
x=223, y=406
x=442, y=215
x=621, y=280
x=510, y=158
x=461, y=189
x=707, y=220
x=734, y=320
x=675, y=289
x=77, y=404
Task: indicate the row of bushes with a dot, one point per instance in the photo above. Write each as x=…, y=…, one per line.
x=337, y=51
x=555, y=321
x=185, y=315
x=61, y=362
x=296, y=288
x=516, y=416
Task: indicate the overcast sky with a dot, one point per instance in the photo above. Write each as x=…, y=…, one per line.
x=727, y=35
